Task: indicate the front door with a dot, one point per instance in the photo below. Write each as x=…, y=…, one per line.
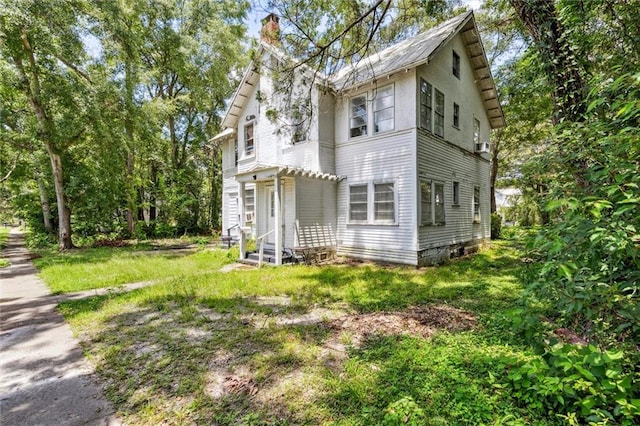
x=270, y=214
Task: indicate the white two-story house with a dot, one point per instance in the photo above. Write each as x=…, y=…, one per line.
x=393, y=162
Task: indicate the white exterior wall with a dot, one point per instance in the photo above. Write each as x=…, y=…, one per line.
x=383, y=157
x=453, y=159
x=316, y=203
x=463, y=91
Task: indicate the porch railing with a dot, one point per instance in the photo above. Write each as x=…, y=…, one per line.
x=260, y=241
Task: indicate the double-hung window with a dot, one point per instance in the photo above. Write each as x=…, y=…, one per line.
x=384, y=202
x=456, y=115
x=358, y=203
x=456, y=64
x=476, y=132
x=383, y=109
x=476, y=204
x=438, y=127
x=249, y=204
x=358, y=116
x=426, y=104
x=373, y=202
x=432, y=203
x=248, y=139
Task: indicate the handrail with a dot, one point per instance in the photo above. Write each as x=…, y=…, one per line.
x=260, y=240
x=237, y=225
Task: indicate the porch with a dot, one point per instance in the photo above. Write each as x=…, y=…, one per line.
x=283, y=209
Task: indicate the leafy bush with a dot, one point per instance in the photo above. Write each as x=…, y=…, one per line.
x=38, y=240
x=496, y=226
x=584, y=384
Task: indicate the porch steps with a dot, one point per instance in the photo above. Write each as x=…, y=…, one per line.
x=269, y=255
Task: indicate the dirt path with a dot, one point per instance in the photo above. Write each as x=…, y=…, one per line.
x=44, y=377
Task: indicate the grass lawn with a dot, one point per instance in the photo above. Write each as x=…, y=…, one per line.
x=340, y=344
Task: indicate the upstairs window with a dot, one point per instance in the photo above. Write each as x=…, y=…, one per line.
x=358, y=116
x=476, y=131
x=248, y=139
x=426, y=104
x=383, y=110
x=456, y=64
x=438, y=127
x=235, y=151
x=456, y=115
x=358, y=203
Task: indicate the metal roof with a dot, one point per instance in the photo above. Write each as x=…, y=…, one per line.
x=419, y=50
x=405, y=55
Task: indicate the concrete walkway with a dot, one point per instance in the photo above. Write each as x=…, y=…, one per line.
x=44, y=377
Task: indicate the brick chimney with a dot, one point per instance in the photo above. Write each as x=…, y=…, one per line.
x=270, y=32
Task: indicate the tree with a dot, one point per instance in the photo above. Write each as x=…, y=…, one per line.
x=51, y=80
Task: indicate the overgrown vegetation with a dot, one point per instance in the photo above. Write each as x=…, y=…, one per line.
x=336, y=344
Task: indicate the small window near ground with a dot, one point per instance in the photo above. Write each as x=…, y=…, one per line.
x=438, y=127
x=248, y=139
x=476, y=204
x=426, y=104
x=383, y=110
x=456, y=193
x=358, y=116
x=456, y=64
x=358, y=203
x=384, y=202
x=456, y=115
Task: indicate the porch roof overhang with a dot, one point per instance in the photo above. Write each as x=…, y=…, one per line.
x=263, y=173
x=225, y=134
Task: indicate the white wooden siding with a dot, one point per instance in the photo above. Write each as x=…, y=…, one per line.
x=388, y=157
x=442, y=162
x=463, y=92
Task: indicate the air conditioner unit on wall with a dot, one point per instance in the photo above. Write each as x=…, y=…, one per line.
x=249, y=217
x=482, y=147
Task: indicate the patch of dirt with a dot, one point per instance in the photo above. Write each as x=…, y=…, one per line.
x=420, y=321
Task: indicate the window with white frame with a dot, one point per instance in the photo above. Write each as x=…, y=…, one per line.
x=456, y=115
x=426, y=104
x=358, y=203
x=384, y=202
x=373, y=203
x=248, y=139
x=432, y=203
x=456, y=64
x=438, y=127
x=383, y=109
x=358, y=116
x=476, y=204
x=456, y=193
x=235, y=151
x=249, y=201
x=476, y=131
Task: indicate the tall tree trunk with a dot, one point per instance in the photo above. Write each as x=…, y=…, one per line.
x=33, y=91
x=44, y=204
x=559, y=61
x=64, y=212
x=129, y=130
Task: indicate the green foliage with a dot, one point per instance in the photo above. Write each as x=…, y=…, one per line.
x=496, y=226
x=582, y=383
